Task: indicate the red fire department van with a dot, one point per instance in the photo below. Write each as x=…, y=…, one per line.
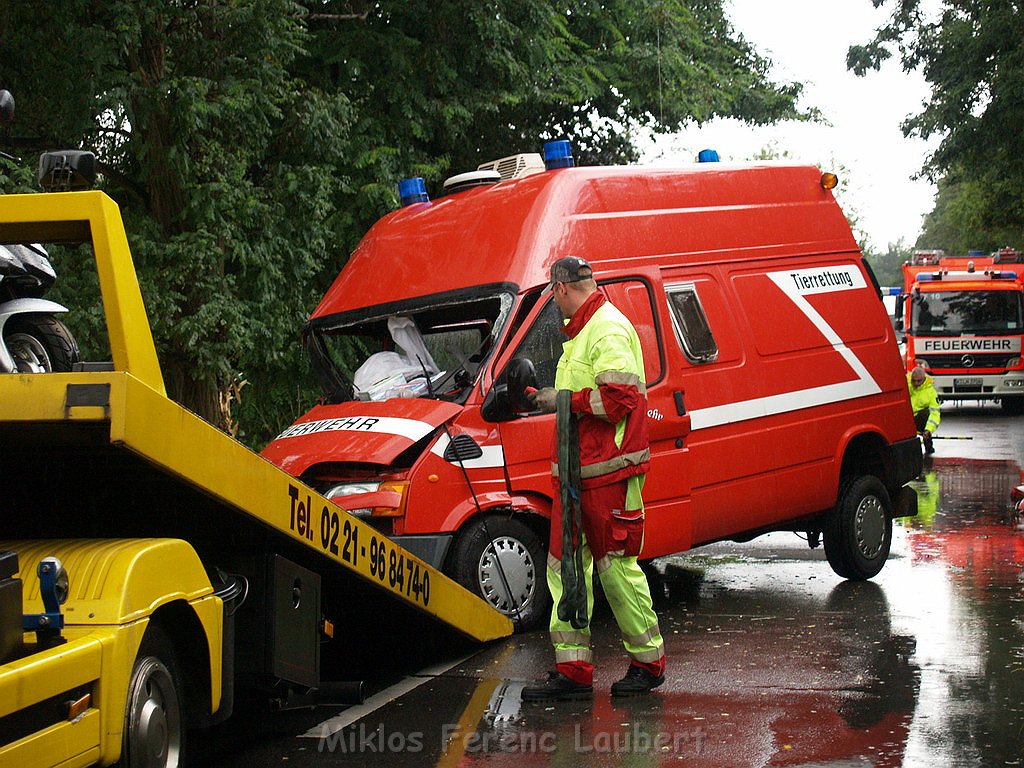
x=776, y=394
x=964, y=321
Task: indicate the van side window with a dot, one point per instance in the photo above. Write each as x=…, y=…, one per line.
x=691, y=324
x=543, y=344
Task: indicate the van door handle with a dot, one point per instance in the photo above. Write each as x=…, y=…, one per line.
x=684, y=417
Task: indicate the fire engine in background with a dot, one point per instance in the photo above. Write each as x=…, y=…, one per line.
x=964, y=320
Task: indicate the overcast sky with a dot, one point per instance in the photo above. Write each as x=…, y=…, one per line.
x=807, y=42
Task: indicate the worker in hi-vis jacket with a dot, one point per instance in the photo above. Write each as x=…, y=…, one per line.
x=924, y=401
x=602, y=454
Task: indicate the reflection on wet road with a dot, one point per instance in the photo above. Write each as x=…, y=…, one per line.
x=773, y=661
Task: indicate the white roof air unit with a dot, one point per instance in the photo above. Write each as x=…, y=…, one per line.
x=515, y=166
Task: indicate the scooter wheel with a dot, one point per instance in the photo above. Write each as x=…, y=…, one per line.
x=40, y=344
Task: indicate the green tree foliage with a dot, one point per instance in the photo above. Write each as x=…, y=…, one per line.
x=888, y=265
x=960, y=221
x=971, y=54
x=250, y=143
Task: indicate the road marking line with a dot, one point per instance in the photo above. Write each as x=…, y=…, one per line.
x=381, y=698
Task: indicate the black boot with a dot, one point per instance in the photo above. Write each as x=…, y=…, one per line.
x=637, y=681
x=557, y=687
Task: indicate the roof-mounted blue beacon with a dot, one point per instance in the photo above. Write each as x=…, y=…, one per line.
x=558, y=154
x=413, y=191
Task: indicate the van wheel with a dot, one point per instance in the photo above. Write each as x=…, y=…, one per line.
x=858, y=531
x=486, y=543
x=154, y=723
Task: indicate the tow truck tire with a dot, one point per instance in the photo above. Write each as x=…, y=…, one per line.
x=858, y=531
x=154, y=722
x=522, y=554
x=40, y=344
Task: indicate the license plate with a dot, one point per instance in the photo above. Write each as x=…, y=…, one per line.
x=966, y=382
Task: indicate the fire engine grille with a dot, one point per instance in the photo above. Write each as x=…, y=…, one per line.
x=979, y=361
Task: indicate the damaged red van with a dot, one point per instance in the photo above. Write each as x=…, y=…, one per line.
x=777, y=397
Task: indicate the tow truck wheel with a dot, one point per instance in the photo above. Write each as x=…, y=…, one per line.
x=493, y=547
x=858, y=531
x=40, y=344
x=154, y=730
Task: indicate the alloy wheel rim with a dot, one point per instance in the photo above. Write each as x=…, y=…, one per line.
x=29, y=354
x=155, y=736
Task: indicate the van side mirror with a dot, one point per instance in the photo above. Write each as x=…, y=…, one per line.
x=521, y=374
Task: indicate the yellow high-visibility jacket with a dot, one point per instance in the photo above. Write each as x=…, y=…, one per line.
x=925, y=397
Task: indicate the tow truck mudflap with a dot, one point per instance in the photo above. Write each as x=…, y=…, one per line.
x=905, y=464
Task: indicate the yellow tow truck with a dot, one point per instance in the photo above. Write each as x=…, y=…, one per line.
x=152, y=568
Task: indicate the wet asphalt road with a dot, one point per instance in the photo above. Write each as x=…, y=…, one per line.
x=773, y=660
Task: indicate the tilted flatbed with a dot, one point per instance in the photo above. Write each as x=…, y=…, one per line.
x=177, y=539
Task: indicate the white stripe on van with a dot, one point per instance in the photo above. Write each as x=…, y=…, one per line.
x=411, y=429
x=796, y=284
x=494, y=455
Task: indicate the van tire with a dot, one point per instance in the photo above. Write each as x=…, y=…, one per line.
x=858, y=530
x=154, y=720
x=523, y=554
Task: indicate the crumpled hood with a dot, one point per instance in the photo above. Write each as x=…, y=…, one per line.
x=370, y=432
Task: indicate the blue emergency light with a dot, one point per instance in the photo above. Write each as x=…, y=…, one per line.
x=413, y=191
x=707, y=156
x=558, y=154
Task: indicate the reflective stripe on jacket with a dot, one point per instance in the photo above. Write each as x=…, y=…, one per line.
x=602, y=363
x=925, y=397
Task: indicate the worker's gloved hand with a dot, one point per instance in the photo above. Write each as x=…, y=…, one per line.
x=544, y=399
x=927, y=433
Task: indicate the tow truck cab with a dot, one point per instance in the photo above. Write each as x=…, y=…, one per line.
x=775, y=390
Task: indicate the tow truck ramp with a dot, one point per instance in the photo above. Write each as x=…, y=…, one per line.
x=172, y=524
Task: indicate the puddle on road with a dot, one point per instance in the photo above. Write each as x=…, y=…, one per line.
x=775, y=662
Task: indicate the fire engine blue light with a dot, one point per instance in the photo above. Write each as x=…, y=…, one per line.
x=707, y=156
x=973, y=254
x=894, y=292
x=413, y=191
x=558, y=154
x=925, y=278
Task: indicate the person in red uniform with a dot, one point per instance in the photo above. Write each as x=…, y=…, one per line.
x=601, y=391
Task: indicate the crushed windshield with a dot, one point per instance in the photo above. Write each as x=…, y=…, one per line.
x=430, y=350
x=952, y=313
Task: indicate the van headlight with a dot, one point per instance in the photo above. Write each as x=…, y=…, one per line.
x=388, y=497
x=353, y=489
